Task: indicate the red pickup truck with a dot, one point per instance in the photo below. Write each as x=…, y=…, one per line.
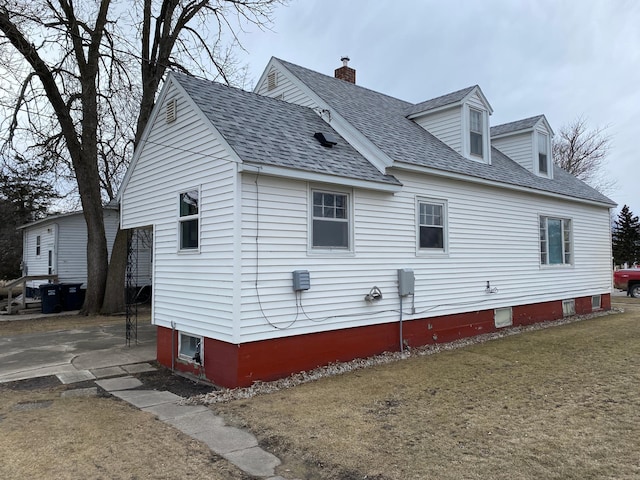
x=628, y=279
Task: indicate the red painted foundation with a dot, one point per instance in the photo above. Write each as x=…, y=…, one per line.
x=231, y=365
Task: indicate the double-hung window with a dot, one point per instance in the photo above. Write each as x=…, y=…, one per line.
x=431, y=225
x=188, y=222
x=543, y=153
x=556, y=240
x=475, y=132
x=330, y=215
x=38, y=246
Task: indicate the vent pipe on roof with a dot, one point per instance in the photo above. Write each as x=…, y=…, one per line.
x=345, y=72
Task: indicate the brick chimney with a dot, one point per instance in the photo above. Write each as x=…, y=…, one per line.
x=345, y=72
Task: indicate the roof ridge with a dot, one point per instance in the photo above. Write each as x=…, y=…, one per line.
x=286, y=63
x=522, y=120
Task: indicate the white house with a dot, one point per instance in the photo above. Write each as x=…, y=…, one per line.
x=330, y=222
x=57, y=245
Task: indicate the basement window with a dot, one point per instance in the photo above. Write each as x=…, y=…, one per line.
x=503, y=317
x=568, y=307
x=596, y=302
x=190, y=348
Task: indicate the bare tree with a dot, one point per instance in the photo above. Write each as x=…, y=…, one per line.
x=69, y=71
x=583, y=153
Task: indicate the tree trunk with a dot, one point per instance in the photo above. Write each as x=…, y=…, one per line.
x=114, y=297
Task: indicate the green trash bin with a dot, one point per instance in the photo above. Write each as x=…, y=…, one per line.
x=50, y=298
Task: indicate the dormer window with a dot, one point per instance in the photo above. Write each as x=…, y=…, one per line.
x=543, y=154
x=475, y=132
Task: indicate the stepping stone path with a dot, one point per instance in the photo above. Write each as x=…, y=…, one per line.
x=237, y=446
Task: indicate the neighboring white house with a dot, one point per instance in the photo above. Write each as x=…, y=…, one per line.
x=57, y=245
x=332, y=221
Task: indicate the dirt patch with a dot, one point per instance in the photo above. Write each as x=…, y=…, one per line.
x=47, y=436
x=17, y=324
x=163, y=379
x=557, y=403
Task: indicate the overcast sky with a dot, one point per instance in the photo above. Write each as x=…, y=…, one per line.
x=561, y=58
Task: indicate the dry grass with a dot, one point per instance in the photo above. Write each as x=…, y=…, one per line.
x=46, y=436
x=560, y=403
x=15, y=325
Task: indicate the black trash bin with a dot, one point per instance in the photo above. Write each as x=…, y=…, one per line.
x=50, y=297
x=72, y=296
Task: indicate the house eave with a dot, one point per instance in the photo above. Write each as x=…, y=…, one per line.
x=307, y=176
x=493, y=183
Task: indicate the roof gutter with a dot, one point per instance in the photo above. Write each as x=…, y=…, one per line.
x=303, y=175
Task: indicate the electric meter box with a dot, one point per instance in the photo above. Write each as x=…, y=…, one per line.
x=406, y=282
x=301, y=280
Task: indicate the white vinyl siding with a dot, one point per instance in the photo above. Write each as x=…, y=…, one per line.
x=254, y=232
x=492, y=236
x=195, y=292
x=446, y=126
x=284, y=89
x=65, y=236
x=518, y=148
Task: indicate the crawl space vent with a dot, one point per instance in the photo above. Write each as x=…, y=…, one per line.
x=172, y=110
x=326, y=139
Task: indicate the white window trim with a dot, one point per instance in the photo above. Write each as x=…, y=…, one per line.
x=573, y=253
x=466, y=135
x=187, y=358
x=445, y=227
x=599, y=302
x=536, y=162
x=38, y=245
x=311, y=250
x=180, y=219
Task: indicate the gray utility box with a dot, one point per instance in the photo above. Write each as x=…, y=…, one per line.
x=301, y=280
x=406, y=282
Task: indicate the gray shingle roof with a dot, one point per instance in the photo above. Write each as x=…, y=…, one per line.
x=441, y=101
x=516, y=126
x=267, y=131
x=382, y=119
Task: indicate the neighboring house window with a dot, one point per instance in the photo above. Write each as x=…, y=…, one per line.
x=475, y=132
x=330, y=220
x=190, y=348
x=556, y=239
x=431, y=225
x=189, y=220
x=50, y=263
x=543, y=153
x=38, y=246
